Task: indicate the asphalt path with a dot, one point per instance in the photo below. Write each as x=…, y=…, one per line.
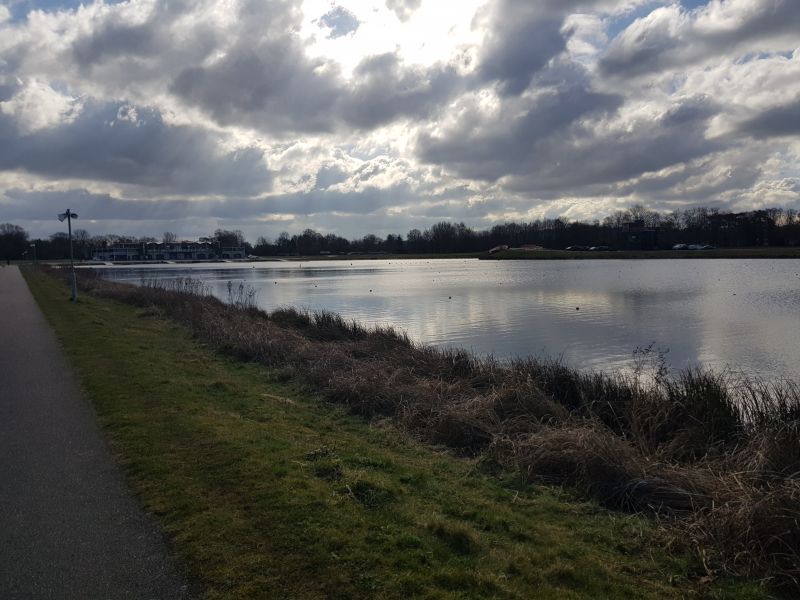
x=69, y=525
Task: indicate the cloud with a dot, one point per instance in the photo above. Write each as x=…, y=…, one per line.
x=36, y=105
x=672, y=37
x=403, y=8
x=518, y=134
x=134, y=146
x=778, y=121
x=256, y=111
x=340, y=21
x=384, y=90
x=271, y=86
x=521, y=38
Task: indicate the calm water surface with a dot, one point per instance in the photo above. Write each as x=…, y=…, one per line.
x=743, y=314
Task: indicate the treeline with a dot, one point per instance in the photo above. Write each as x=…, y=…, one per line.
x=637, y=227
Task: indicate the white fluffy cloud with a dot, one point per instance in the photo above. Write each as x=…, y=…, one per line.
x=352, y=116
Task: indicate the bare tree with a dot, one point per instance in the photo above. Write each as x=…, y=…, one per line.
x=82, y=238
x=13, y=240
x=169, y=237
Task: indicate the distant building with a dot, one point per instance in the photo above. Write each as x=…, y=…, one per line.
x=636, y=236
x=155, y=251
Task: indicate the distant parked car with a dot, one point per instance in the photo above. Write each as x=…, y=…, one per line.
x=680, y=247
x=708, y=247
x=574, y=248
x=599, y=248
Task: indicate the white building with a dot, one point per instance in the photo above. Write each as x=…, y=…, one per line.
x=155, y=251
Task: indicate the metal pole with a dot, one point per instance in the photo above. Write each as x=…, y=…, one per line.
x=71, y=258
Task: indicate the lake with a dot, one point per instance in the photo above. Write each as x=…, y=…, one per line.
x=743, y=314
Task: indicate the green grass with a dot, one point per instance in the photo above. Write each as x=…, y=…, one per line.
x=268, y=493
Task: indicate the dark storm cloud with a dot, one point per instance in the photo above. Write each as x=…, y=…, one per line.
x=264, y=79
x=586, y=159
x=340, y=21
x=113, y=39
x=693, y=183
x=328, y=176
x=270, y=86
x=113, y=142
x=522, y=37
x=403, y=8
x=780, y=121
x=516, y=137
x=275, y=88
x=672, y=37
x=551, y=148
x=386, y=90
x=117, y=39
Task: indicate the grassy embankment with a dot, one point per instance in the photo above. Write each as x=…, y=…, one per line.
x=268, y=492
x=741, y=253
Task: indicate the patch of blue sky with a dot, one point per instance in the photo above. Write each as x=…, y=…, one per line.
x=751, y=56
x=621, y=22
x=20, y=8
x=691, y=4
x=618, y=24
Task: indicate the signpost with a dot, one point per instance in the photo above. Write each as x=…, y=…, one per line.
x=69, y=215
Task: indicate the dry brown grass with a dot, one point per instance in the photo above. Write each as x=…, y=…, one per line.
x=716, y=457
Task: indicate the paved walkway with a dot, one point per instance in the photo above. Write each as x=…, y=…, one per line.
x=69, y=527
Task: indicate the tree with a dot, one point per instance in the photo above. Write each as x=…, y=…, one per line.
x=13, y=241
x=59, y=245
x=169, y=237
x=227, y=238
x=81, y=238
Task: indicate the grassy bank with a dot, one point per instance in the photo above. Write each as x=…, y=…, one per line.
x=741, y=253
x=269, y=492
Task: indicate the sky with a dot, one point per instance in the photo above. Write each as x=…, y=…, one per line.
x=355, y=117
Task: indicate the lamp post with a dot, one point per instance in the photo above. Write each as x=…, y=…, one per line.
x=33, y=245
x=69, y=215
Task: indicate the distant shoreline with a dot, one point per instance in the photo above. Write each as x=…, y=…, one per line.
x=784, y=252
x=729, y=253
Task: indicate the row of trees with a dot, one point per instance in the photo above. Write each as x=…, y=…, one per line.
x=769, y=227
x=692, y=226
